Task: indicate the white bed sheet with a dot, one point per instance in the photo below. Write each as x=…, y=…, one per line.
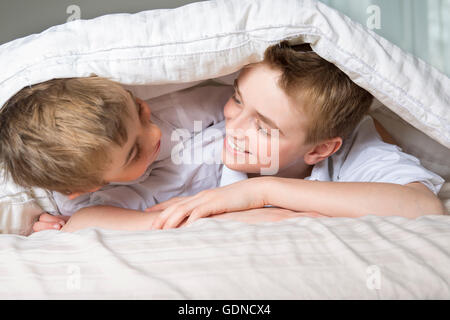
x=167, y=50
x=301, y=258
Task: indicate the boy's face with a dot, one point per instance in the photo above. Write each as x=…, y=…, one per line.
x=258, y=112
x=131, y=160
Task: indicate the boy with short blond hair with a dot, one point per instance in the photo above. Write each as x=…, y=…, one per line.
x=329, y=156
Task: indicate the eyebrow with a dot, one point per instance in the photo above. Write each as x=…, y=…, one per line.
x=134, y=147
x=264, y=119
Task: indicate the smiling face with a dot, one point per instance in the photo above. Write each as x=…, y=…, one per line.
x=258, y=112
x=131, y=160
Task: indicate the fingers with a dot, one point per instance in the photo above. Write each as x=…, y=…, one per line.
x=176, y=210
x=165, y=204
x=188, y=213
x=49, y=222
x=170, y=217
x=45, y=217
x=175, y=214
x=196, y=214
x=174, y=219
x=41, y=226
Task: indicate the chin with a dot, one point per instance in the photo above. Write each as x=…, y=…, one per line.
x=242, y=167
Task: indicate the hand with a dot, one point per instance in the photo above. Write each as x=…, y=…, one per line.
x=49, y=222
x=235, y=197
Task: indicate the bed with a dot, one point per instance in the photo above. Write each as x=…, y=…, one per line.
x=302, y=258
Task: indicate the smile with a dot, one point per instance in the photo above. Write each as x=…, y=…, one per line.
x=234, y=147
x=157, y=146
x=154, y=152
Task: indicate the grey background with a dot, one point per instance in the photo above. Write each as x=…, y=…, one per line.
x=19, y=18
x=421, y=27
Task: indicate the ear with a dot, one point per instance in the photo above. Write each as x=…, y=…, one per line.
x=322, y=150
x=74, y=195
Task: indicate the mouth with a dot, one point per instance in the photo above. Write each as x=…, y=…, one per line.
x=158, y=145
x=154, y=154
x=230, y=145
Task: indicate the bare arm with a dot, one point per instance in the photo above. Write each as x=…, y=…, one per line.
x=332, y=199
x=114, y=218
x=350, y=199
x=109, y=217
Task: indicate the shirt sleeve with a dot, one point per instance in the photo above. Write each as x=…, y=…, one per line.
x=197, y=108
x=369, y=159
x=115, y=196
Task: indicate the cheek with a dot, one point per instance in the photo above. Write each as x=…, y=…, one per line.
x=278, y=150
x=285, y=154
x=150, y=140
x=146, y=111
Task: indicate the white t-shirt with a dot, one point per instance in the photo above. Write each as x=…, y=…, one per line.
x=364, y=157
x=195, y=168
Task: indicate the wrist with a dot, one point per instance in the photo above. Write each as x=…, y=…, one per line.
x=149, y=217
x=261, y=188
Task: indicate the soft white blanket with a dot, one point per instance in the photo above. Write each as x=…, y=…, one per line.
x=366, y=258
x=301, y=258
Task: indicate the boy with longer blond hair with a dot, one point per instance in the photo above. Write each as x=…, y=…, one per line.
x=101, y=151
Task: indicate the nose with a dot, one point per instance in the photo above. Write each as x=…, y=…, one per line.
x=237, y=125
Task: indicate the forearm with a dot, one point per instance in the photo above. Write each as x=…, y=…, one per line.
x=349, y=199
x=260, y=215
x=109, y=217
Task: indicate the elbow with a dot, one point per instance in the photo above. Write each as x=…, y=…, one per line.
x=438, y=206
x=431, y=205
x=425, y=201
x=76, y=221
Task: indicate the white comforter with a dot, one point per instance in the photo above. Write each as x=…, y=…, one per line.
x=371, y=257
x=302, y=258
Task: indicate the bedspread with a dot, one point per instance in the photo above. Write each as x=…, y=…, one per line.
x=301, y=258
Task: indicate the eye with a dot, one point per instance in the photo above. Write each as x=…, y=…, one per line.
x=263, y=131
x=235, y=99
x=138, y=153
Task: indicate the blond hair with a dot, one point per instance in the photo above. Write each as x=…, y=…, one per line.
x=57, y=134
x=333, y=103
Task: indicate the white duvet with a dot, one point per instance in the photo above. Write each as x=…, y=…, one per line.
x=302, y=258
x=162, y=51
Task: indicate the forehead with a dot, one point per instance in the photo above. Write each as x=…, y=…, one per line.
x=260, y=91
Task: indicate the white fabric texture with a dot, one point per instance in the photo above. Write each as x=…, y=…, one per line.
x=199, y=166
x=294, y=259
x=162, y=51
x=301, y=258
x=144, y=48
